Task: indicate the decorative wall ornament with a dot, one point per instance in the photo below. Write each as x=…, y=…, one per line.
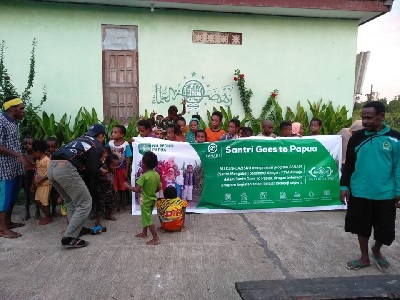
x=195, y=90
x=216, y=37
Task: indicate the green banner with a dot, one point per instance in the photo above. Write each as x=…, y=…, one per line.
x=285, y=174
x=259, y=174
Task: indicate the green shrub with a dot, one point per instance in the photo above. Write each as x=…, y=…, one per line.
x=27, y=125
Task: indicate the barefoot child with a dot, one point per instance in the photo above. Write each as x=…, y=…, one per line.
x=52, y=146
x=147, y=184
x=40, y=180
x=27, y=180
x=171, y=211
x=121, y=148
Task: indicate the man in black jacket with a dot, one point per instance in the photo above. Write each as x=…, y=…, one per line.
x=81, y=156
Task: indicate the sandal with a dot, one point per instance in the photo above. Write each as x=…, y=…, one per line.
x=381, y=263
x=73, y=243
x=356, y=265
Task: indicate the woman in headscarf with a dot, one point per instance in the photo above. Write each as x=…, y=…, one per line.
x=297, y=129
x=194, y=125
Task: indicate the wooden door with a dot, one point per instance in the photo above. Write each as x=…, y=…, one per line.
x=120, y=78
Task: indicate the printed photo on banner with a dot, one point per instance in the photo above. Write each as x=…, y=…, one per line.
x=178, y=166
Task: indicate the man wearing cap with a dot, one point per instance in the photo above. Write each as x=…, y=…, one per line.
x=12, y=163
x=81, y=156
x=370, y=184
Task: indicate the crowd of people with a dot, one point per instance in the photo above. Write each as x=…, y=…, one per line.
x=88, y=174
x=175, y=128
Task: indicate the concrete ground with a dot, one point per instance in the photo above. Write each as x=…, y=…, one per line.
x=202, y=263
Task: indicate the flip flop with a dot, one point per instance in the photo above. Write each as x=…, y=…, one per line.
x=356, y=265
x=76, y=243
x=381, y=263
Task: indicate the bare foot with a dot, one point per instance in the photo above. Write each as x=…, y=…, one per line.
x=9, y=234
x=141, y=235
x=183, y=229
x=15, y=225
x=154, y=242
x=44, y=221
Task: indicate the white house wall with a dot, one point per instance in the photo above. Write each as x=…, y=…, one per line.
x=303, y=58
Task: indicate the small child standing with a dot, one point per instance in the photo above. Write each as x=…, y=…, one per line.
x=121, y=148
x=52, y=146
x=148, y=185
x=40, y=180
x=171, y=211
x=189, y=181
x=27, y=180
x=105, y=190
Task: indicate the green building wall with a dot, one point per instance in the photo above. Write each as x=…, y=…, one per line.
x=302, y=57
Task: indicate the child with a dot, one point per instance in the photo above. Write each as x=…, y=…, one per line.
x=240, y=130
x=181, y=122
x=214, y=133
x=121, y=148
x=144, y=128
x=28, y=178
x=105, y=190
x=159, y=119
x=179, y=184
x=297, y=129
x=52, y=146
x=171, y=211
x=200, y=136
x=189, y=180
x=170, y=177
x=173, y=114
x=246, y=132
x=193, y=127
x=233, y=127
x=315, y=126
x=286, y=129
x=172, y=131
x=40, y=180
x=147, y=184
x=160, y=133
x=267, y=128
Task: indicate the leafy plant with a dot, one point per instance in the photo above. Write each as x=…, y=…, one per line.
x=27, y=125
x=333, y=120
x=245, y=93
